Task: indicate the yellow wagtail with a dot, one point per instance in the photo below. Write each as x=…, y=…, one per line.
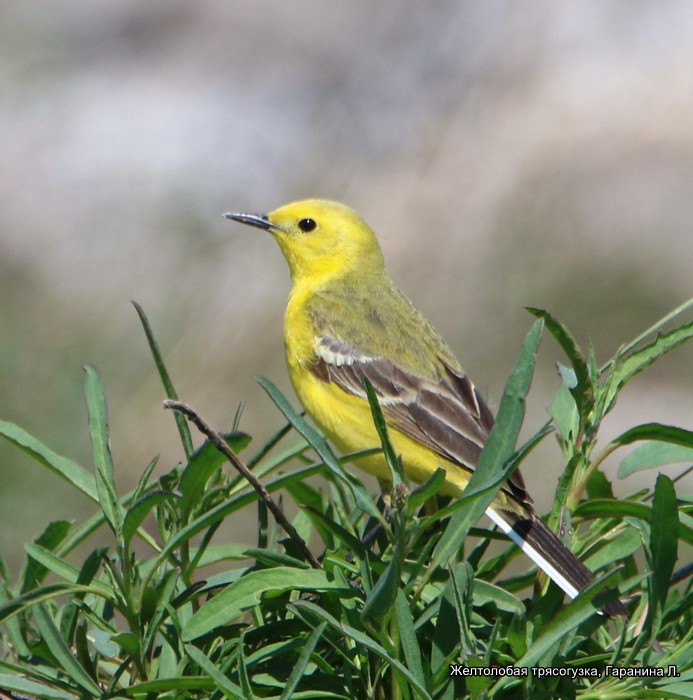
x=346, y=321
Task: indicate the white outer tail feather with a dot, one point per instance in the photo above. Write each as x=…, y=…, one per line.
x=539, y=559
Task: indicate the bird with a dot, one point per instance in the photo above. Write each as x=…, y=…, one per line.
x=346, y=321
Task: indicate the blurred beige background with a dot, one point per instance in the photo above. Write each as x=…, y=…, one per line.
x=508, y=154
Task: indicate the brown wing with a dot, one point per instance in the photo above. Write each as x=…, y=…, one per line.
x=446, y=413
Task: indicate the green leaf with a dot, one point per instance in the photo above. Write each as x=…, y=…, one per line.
x=656, y=431
x=545, y=645
x=364, y=640
x=664, y=535
x=64, y=569
x=462, y=585
x=383, y=594
x=583, y=389
x=394, y=464
x=247, y=592
x=653, y=454
x=101, y=451
x=176, y=684
x=621, y=546
x=300, y=667
x=157, y=607
x=230, y=690
x=407, y=637
x=62, y=652
x=564, y=412
x=627, y=366
x=489, y=473
x=65, y=468
x=270, y=558
x=427, y=490
x=667, y=445
x=243, y=669
x=49, y=539
x=219, y=512
x=320, y=445
x=201, y=465
x=600, y=508
x=181, y=422
x=138, y=511
x=71, y=612
x=25, y=601
x=30, y=688
x=141, y=482
x=485, y=592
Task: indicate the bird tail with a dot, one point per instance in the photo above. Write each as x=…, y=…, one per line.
x=549, y=554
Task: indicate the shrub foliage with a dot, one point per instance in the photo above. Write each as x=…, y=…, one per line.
x=358, y=597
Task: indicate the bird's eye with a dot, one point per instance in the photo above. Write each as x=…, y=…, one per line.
x=307, y=225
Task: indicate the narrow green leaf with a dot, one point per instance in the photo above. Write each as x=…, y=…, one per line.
x=270, y=558
x=154, y=688
x=138, y=511
x=543, y=647
x=49, y=539
x=340, y=533
x=30, y=688
x=627, y=366
x=243, y=669
x=383, y=594
x=446, y=635
x=394, y=464
x=71, y=612
x=364, y=640
x=668, y=318
x=128, y=642
x=664, y=535
x=247, y=592
x=610, y=551
x=489, y=473
x=565, y=414
x=599, y=508
x=656, y=431
x=427, y=490
x=181, y=422
x=462, y=585
x=101, y=451
x=230, y=690
x=300, y=667
x=65, y=468
x=142, y=482
x=25, y=601
x=157, y=608
x=201, y=465
x=485, y=592
x=219, y=512
x=653, y=454
x=407, y=636
x=321, y=446
x=62, y=652
x=583, y=390
x=672, y=691
x=62, y=568
x=13, y=629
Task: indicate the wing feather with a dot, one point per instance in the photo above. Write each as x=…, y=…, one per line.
x=445, y=413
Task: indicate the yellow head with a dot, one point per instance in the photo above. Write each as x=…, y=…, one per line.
x=319, y=238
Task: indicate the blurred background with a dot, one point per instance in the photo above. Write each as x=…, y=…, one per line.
x=508, y=155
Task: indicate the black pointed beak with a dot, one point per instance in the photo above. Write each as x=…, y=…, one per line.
x=257, y=220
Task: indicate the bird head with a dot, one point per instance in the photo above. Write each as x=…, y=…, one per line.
x=319, y=238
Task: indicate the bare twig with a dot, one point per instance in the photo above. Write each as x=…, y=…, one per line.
x=218, y=441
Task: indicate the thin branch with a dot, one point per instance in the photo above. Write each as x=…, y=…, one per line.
x=218, y=441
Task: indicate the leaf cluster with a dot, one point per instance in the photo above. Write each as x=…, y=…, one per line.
x=397, y=595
